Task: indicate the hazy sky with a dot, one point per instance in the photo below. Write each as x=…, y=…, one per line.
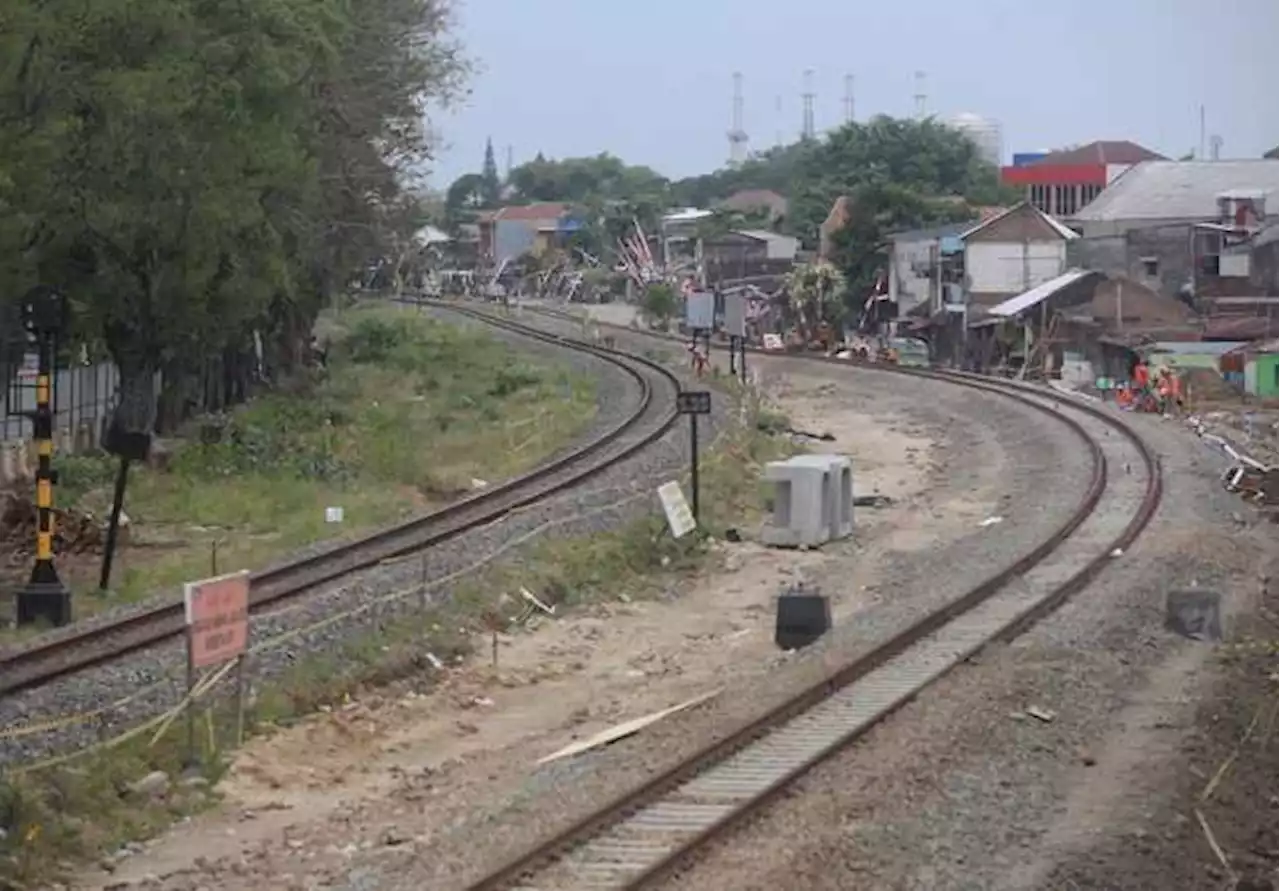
x=651, y=81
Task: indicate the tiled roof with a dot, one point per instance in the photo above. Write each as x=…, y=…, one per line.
x=1063, y=232
x=1104, y=151
x=547, y=210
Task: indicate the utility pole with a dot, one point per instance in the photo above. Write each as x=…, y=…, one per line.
x=777, y=110
x=737, y=135
x=1201, y=154
x=848, y=99
x=806, y=122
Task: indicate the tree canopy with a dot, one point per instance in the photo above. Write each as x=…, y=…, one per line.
x=193, y=174
x=895, y=173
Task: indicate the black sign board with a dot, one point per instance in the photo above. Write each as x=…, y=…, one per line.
x=694, y=402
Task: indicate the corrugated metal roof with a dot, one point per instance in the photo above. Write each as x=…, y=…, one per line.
x=1180, y=190
x=686, y=215
x=766, y=235
x=1193, y=347
x=1040, y=292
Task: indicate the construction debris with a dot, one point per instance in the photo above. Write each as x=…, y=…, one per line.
x=75, y=532
x=621, y=731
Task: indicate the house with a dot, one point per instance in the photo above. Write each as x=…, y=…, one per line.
x=508, y=232
x=922, y=264
x=1062, y=182
x=1261, y=374
x=1012, y=252
x=1086, y=324
x=679, y=230
x=762, y=202
x=1184, y=227
x=747, y=253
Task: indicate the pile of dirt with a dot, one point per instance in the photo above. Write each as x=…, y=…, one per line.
x=75, y=532
x=1207, y=385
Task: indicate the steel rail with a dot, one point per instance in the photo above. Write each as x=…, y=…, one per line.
x=748, y=767
x=59, y=656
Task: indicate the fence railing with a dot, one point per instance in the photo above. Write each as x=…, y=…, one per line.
x=83, y=398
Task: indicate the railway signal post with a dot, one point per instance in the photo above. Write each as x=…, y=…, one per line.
x=693, y=403
x=44, y=597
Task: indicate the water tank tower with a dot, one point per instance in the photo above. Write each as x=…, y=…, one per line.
x=984, y=133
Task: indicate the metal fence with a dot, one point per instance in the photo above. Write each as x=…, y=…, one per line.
x=83, y=397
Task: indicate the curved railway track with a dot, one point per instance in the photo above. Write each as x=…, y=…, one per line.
x=60, y=655
x=651, y=830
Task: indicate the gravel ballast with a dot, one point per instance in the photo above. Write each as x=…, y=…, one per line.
x=449, y=822
x=1040, y=458
x=592, y=507
x=964, y=788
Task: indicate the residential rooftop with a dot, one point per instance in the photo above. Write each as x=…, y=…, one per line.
x=1181, y=190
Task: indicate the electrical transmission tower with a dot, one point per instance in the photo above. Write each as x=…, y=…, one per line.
x=737, y=135
x=920, y=97
x=848, y=98
x=806, y=123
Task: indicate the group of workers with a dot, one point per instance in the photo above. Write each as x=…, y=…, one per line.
x=1161, y=392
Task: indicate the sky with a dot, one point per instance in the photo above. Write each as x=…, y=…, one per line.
x=651, y=82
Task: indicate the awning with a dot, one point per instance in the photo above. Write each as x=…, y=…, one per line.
x=1037, y=295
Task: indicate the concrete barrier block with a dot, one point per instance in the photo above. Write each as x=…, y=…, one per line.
x=840, y=470
x=802, y=502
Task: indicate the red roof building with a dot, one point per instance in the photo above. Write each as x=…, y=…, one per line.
x=1060, y=183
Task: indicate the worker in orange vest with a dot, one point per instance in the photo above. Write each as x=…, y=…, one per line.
x=1141, y=375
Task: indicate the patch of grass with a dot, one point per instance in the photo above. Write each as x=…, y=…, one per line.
x=409, y=414
x=55, y=817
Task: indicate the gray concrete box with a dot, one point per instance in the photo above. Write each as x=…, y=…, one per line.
x=801, y=503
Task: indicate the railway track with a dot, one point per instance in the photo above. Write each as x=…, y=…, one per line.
x=61, y=654
x=652, y=830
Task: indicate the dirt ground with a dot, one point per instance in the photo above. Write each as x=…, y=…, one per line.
x=400, y=763
x=1224, y=773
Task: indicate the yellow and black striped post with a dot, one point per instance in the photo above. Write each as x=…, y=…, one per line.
x=45, y=597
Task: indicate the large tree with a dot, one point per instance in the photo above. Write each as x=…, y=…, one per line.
x=897, y=174
x=192, y=173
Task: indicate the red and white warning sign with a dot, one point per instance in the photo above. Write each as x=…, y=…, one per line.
x=217, y=619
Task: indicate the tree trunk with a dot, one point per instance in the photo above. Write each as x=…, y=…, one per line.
x=135, y=410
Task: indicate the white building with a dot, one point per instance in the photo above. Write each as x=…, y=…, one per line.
x=984, y=133
x=1013, y=252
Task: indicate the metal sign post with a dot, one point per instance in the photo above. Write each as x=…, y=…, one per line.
x=217, y=620
x=694, y=403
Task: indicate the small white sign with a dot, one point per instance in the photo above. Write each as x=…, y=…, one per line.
x=679, y=517
x=333, y=515
x=772, y=341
